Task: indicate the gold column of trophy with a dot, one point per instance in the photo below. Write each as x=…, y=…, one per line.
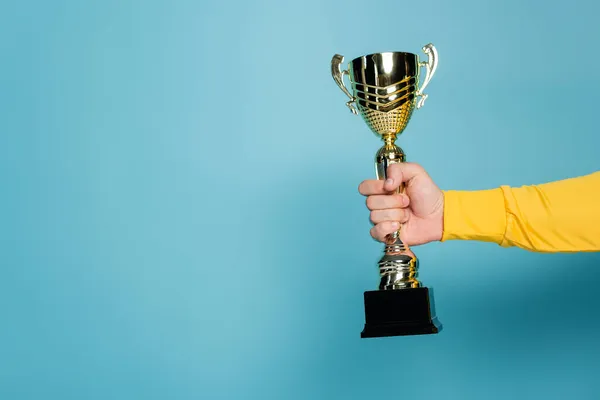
x=385, y=92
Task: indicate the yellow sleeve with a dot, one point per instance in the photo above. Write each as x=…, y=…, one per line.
x=560, y=216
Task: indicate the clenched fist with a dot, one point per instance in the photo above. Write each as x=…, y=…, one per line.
x=420, y=209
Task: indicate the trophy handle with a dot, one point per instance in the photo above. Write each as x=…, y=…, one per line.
x=338, y=77
x=431, y=66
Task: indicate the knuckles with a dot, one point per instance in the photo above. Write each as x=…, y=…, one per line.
x=378, y=217
x=372, y=217
x=396, y=200
x=367, y=187
x=377, y=232
x=384, y=201
x=369, y=201
x=373, y=233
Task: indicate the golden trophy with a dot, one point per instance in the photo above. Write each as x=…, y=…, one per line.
x=385, y=91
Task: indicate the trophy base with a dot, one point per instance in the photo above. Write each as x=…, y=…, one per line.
x=400, y=312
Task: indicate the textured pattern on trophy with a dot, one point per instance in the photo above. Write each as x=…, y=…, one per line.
x=398, y=267
x=387, y=111
x=385, y=123
x=384, y=91
x=387, y=114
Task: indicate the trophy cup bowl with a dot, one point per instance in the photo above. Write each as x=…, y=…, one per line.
x=385, y=91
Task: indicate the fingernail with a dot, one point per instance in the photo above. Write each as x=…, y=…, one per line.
x=395, y=225
x=389, y=181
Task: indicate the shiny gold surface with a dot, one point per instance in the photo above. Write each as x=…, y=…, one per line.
x=398, y=267
x=388, y=123
x=338, y=77
x=385, y=92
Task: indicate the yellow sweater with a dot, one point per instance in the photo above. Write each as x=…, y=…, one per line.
x=561, y=216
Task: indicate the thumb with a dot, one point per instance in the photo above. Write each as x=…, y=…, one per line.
x=400, y=173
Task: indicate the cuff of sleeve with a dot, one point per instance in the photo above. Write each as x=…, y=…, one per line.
x=474, y=215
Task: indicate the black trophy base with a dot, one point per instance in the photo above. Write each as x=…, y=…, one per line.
x=400, y=312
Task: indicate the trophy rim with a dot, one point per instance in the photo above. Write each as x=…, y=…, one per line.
x=408, y=53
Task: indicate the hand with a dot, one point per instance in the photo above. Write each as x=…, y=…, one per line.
x=420, y=209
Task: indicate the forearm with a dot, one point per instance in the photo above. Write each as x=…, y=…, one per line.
x=561, y=216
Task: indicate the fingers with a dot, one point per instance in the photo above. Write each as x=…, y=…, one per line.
x=387, y=221
x=393, y=215
x=383, y=202
x=380, y=231
x=389, y=209
x=396, y=175
x=401, y=173
x=371, y=187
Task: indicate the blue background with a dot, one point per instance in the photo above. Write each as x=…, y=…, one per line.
x=180, y=216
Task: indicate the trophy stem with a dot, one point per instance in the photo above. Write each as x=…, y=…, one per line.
x=384, y=91
x=398, y=267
